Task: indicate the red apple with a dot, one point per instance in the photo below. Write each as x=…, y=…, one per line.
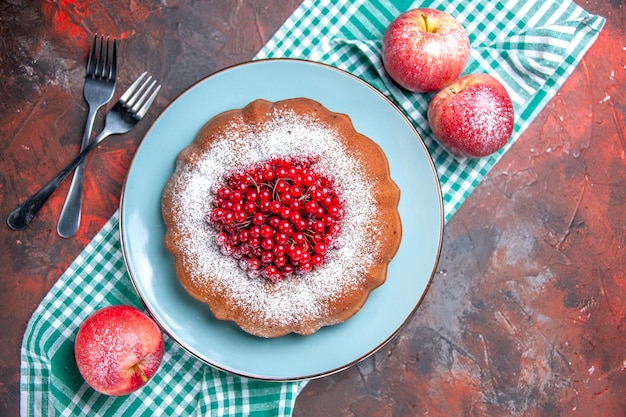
x=473, y=116
x=425, y=49
x=118, y=349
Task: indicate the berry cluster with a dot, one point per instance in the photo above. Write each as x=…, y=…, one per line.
x=277, y=217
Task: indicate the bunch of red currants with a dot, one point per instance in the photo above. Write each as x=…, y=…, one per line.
x=277, y=217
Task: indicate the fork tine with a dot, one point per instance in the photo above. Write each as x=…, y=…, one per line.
x=138, y=97
x=130, y=90
x=134, y=98
x=113, y=68
x=103, y=59
x=141, y=112
x=91, y=63
x=98, y=70
x=137, y=94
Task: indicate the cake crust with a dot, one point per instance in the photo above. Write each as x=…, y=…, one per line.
x=300, y=304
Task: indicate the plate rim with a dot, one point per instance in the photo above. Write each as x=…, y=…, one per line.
x=360, y=357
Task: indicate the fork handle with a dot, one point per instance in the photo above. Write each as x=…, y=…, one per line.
x=22, y=215
x=69, y=220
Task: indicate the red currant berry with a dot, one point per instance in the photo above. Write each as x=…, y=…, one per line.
x=296, y=191
x=275, y=207
x=266, y=231
x=240, y=216
x=280, y=261
x=254, y=263
x=228, y=217
x=318, y=226
x=267, y=243
x=304, y=268
x=295, y=205
x=295, y=217
x=267, y=257
x=264, y=206
x=300, y=224
x=282, y=172
x=298, y=238
x=224, y=193
x=235, y=196
x=258, y=218
x=320, y=249
x=281, y=238
x=249, y=207
x=285, y=212
x=285, y=227
x=310, y=207
x=243, y=235
x=269, y=175
x=279, y=248
x=281, y=186
x=317, y=260
x=252, y=194
x=265, y=195
x=255, y=231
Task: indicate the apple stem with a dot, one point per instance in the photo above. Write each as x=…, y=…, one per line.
x=140, y=371
x=426, y=26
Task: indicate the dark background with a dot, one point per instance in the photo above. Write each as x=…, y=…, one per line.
x=525, y=315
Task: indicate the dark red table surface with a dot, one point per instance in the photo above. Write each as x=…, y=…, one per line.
x=526, y=315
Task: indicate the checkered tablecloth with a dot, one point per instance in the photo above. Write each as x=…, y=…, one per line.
x=531, y=46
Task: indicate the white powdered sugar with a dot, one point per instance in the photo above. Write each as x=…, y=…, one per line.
x=296, y=296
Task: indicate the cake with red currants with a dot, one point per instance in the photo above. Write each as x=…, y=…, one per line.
x=281, y=217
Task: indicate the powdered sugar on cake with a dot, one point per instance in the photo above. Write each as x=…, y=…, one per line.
x=286, y=134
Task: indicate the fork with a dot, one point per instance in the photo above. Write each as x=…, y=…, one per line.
x=98, y=90
x=131, y=107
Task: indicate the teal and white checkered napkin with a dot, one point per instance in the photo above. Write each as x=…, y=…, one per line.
x=531, y=46
x=52, y=386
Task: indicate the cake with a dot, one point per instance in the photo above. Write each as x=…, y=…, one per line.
x=257, y=258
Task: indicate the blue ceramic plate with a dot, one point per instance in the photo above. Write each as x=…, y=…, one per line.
x=292, y=357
